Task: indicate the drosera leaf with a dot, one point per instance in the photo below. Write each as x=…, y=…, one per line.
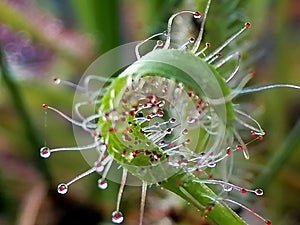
x=168, y=115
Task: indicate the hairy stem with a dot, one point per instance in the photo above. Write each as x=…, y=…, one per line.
x=200, y=195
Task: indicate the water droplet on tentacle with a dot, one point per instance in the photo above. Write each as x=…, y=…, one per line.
x=197, y=15
x=117, y=217
x=62, y=189
x=102, y=184
x=99, y=167
x=227, y=188
x=56, y=80
x=45, y=152
x=259, y=192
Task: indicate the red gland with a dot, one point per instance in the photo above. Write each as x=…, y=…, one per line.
x=243, y=191
x=95, y=134
x=160, y=113
x=112, y=130
x=172, y=120
x=239, y=147
x=260, y=138
x=128, y=130
x=247, y=25
x=179, y=182
x=197, y=171
x=268, y=222
x=197, y=15
x=208, y=209
x=185, y=131
x=159, y=43
x=45, y=152
x=45, y=106
x=252, y=74
x=62, y=188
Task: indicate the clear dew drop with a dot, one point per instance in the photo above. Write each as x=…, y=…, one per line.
x=185, y=132
x=197, y=15
x=117, y=217
x=102, y=184
x=99, y=167
x=259, y=192
x=103, y=147
x=191, y=40
x=62, y=189
x=166, y=33
x=160, y=43
x=45, y=152
x=56, y=80
x=227, y=188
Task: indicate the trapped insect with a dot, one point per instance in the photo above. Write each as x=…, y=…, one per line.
x=168, y=119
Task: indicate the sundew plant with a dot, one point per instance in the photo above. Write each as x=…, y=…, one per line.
x=166, y=117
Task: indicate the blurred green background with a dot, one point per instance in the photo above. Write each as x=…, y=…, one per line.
x=41, y=39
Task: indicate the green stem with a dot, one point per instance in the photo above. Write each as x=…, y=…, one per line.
x=202, y=196
x=25, y=120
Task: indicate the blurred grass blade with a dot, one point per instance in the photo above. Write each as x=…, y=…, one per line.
x=19, y=22
x=101, y=19
x=158, y=11
x=280, y=158
x=24, y=118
